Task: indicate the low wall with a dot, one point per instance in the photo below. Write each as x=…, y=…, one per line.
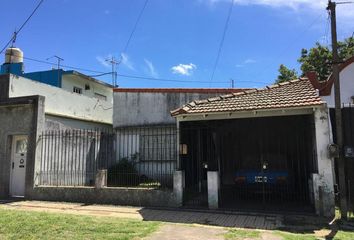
x=118, y=196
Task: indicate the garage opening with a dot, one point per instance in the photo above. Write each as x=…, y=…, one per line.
x=264, y=163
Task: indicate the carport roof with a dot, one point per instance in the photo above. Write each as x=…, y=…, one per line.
x=295, y=93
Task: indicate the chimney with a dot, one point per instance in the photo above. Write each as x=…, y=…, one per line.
x=312, y=76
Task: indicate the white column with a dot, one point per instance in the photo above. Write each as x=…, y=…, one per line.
x=324, y=201
x=213, y=189
x=101, y=178
x=178, y=186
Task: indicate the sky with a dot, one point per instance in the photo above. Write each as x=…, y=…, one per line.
x=174, y=40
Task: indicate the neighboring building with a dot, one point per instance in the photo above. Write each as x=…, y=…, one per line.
x=326, y=92
x=73, y=100
x=262, y=148
x=34, y=107
x=145, y=129
x=326, y=89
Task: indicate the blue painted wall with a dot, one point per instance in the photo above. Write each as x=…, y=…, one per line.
x=14, y=68
x=48, y=77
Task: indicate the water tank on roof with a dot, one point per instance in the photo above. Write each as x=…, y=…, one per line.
x=13, y=55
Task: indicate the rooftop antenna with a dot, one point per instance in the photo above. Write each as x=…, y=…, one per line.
x=232, y=83
x=114, y=62
x=59, y=59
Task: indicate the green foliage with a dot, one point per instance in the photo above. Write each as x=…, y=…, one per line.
x=318, y=59
x=286, y=74
x=124, y=173
x=34, y=225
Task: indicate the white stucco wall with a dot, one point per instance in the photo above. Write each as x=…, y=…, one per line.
x=346, y=77
x=60, y=102
x=324, y=179
x=69, y=81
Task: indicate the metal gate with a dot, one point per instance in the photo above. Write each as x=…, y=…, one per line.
x=197, y=151
x=264, y=163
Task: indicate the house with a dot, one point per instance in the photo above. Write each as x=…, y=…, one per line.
x=33, y=109
x=73, y=100
x=258, y=148
x=326, y=92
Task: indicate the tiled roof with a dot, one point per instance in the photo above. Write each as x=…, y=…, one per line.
x=295, y=93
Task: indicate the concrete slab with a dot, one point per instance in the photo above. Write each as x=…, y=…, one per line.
x=150, y=214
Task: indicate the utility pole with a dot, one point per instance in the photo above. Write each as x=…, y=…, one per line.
x=114, y=64
x=338, y=113
x=232, y=83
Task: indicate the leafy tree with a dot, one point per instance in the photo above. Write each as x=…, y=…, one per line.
x=319, y=59
x=316, y=59
x=285, y=74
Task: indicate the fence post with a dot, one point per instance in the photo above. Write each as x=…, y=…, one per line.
x=178, y=186
x=101, y=178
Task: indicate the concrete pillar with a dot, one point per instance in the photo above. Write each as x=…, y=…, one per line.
x=323, y=185
x=178, y=186
x=101, y=178
x=213, y=189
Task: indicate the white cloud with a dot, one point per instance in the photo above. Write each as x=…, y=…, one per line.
x=103, y=61
x=184, y=69
x=126, y=61
x=343, y=11
x=151, y=68
x=249, y=60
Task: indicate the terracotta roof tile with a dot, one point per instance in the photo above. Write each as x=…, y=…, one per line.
x=295, y=93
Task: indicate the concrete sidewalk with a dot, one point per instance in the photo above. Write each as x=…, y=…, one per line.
x=267, y=222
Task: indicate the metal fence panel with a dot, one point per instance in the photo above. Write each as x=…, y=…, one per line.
x=133, y=157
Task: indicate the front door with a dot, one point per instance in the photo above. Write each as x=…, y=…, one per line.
x=18, y=166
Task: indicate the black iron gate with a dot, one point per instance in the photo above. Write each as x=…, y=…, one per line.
x=264, y=163
x=348, y=134
x=197, y=151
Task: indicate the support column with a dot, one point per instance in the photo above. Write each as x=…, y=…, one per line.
x=213, y=189
x=178, y=186
x=101, y=179
x=323, y=181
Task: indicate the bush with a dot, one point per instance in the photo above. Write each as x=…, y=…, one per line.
x=123, y=173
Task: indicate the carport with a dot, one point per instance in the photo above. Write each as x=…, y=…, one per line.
x=263, y=149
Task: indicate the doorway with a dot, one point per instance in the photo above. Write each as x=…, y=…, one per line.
x=18, y=166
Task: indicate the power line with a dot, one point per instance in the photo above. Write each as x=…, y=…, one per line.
x=163, y=79
x=222, y=40
x=291, y=43
x=22, y=26
x=135, y=26
x=100, y=73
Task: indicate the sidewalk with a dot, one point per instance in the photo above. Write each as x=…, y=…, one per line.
x=267, y=222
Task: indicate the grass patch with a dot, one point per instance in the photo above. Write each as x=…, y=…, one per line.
x=295, y=236
x=344, y=235
x=16, y=224
x=238, y=234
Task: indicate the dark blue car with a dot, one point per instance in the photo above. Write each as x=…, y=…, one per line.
x=269, y=177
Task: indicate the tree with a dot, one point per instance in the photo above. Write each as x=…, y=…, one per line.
x=319, y=59
x=285, y=74
x=316, y=59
